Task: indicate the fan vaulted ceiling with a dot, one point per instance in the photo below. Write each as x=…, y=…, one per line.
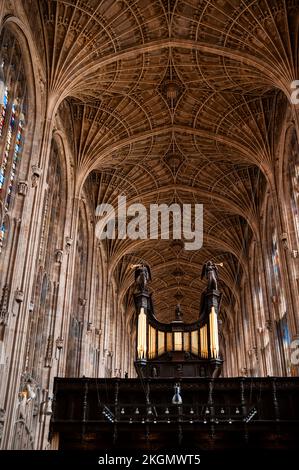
x=173, y=101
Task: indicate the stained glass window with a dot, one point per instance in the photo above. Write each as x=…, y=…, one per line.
x=284, y=341
x=12, y=151
x=277, y=274
x=5, y=157
x=4, y=102
x=293, y=188
x=15, y=158
x=282, y=332
x=12, y=122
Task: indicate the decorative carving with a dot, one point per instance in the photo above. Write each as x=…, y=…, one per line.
x=253, y=353
x=59, y=343
x=82, y=302
x=178, y=296
x=42, y=83
x=19, y=296
x=4, y=305
x=22, y=188
x=28, y=393
x=44, y=225
x=59, y=256
x=244, y=372
x=177, y=245
x=178, y=272
x=284, y=240
x=173, y=159
x=36, y=173
x=68, y=244
x=171, y=87
x=49, y=351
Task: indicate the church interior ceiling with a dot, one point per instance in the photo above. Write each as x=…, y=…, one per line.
x=172, y=101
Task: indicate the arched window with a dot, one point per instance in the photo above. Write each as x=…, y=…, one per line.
x=293, y=187
x=51, y=242
x=278, y=297
x=13, y=97
x=291, y=199
x=277, y=286
x=78, y=315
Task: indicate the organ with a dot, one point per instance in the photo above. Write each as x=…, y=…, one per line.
x=177, y=349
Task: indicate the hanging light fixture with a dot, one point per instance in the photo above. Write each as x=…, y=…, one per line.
x=250, y=415
x=108, y=414
x=177, y=399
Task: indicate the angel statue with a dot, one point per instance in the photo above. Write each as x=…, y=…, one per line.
x=210, y=272
x=142, y=275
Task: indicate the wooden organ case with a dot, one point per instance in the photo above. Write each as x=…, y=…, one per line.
x=177, y=349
